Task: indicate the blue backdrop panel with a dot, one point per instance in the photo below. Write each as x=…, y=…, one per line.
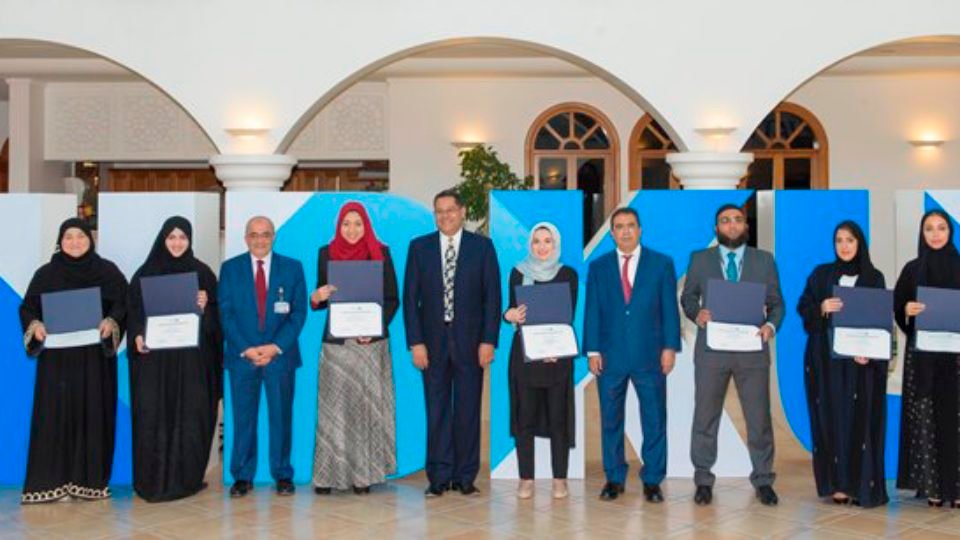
x=512, y=215
x=396, y=221
x=805, y=221
x=16, y=391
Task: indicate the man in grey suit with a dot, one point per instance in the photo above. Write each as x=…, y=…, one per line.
x=732, y=260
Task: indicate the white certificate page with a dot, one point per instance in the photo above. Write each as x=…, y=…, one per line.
x=542, y=341
x=356, y=319
x=733, y=337
x=873, y=343
x=173, y=331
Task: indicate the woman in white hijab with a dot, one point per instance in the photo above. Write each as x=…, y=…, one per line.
x=541, y=392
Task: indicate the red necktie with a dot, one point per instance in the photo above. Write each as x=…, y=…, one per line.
x=625, y=279
x=261, y=287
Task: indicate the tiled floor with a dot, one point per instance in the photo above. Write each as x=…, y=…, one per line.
x=399, y=510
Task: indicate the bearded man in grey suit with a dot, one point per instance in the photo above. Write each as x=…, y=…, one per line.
x=732, y=260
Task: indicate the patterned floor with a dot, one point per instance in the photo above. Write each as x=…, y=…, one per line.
x=399, y=510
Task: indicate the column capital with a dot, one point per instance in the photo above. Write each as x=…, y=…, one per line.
x=253, y=172
x=710, y=170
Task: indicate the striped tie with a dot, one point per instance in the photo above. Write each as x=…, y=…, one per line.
x=449, y=272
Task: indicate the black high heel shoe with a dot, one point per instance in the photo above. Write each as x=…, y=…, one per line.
x=934, y=503
x=361, y=490
x=841, y=500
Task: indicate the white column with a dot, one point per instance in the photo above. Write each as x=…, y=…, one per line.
x=28, y=169
x=253, y=172
x=710, y=170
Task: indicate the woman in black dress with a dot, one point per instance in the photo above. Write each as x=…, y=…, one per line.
x=75, y=394
x=541, y=393
x=846, y=398
x=174, y=392
x=929, y=439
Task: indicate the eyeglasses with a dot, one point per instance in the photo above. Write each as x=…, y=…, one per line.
x=728, y=220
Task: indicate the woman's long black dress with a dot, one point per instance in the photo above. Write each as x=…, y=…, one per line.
x=541, y=394
x=73, y=425
x=929, y=430
x=846, y=401
x=174, y=395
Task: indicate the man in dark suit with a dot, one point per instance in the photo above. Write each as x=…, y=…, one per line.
x=732, y=260
x=262, y=310
x=631, y=335
x=451, y=308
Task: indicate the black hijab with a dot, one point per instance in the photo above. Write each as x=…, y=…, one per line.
x=160, y=261
x=860, y=265
x=64, y=272
x=938, y=267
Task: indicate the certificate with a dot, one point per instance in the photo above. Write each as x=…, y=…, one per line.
x=864, y=326
x=938, y=326
x=547, y=332
x=733, y=337
x=542, y=341
x=170, y=306
x=173, y=331
x=356, y=319
x=72, y=318
x=873, y=343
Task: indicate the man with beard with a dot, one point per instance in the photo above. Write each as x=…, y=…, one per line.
x=732, y=260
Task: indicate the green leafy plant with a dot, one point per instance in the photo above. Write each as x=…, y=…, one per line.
x=482, y=170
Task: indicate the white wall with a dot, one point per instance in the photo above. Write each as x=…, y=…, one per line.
x=697, y=62
x=868, y=120
x=426, y=115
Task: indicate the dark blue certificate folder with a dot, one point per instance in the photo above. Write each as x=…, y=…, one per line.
x=864, y=308
x=942, y=311
x=736, y=302
x=548, y=303
x=71, y=311
x=170, y=294
x=356, y=281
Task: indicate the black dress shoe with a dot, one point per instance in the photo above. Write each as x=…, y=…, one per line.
x=703, y=496
x=240, y=488
x=767, y=496
x=322, y=490
x=435, y=490
x=361, y=490
x=610, y=491
x=466, y=488
x=285, y=487
x=653, y=493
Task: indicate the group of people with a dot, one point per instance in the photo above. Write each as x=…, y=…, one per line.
x=452, y=313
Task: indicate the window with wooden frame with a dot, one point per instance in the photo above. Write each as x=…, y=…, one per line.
x=574, y=146
x=649, y=146
x=790, y=151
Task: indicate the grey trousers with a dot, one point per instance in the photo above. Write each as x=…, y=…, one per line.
x=752, y=378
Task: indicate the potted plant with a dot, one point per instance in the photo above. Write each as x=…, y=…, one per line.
x=482, y=170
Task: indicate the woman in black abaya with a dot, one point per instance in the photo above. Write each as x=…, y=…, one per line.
x=75, y=393
x=174, y=392
x=929, y=441
x=846, y=397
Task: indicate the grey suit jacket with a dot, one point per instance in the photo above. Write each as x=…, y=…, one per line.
x=758, y=267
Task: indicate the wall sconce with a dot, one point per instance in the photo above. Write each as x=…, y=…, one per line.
x=247, y=132
x=926, y=143
x=715, y=132
x=463, y=146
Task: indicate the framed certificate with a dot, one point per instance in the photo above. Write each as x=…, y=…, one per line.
x=170, y=305
x=938, y=326
x=356, y=308
x=72, y=317
x=865, y=324
x=737, y=310
x=547, y=332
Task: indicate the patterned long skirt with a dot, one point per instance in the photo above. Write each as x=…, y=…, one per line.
x=356, y=431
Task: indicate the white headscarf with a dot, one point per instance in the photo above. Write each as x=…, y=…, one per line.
x=534, y=269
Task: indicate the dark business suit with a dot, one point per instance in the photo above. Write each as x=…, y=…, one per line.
x=453, y=381
x=238, y=315
x=630, y=338
x=713, y=369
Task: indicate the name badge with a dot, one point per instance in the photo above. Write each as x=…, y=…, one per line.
x=280, y=307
